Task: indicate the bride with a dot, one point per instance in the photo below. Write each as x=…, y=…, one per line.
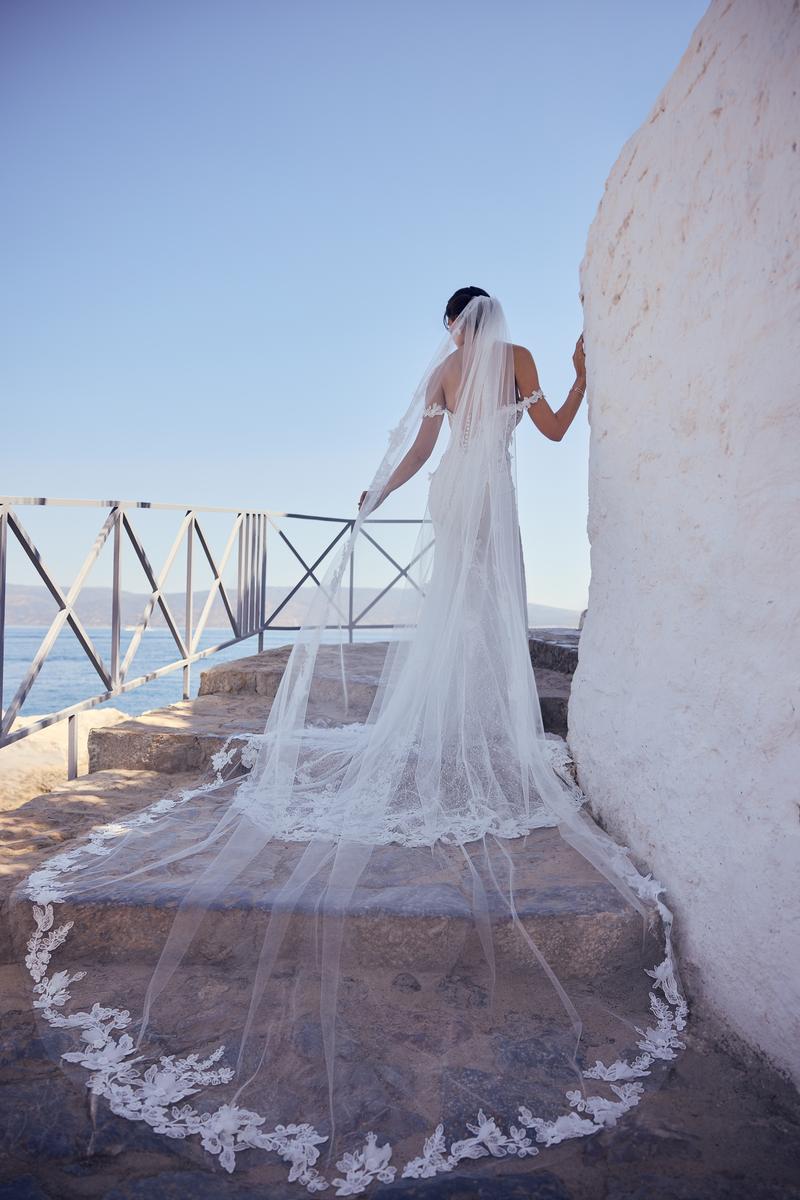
x=365, y=945
x=444, y=385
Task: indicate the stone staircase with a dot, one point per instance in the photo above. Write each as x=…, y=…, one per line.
x=399, y=942
x=580, y=922
x=554, y=655
x=567, y=906
x=236, y=697
x=569, y=909
x=575, y=916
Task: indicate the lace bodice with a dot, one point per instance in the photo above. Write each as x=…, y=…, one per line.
x=437, y=410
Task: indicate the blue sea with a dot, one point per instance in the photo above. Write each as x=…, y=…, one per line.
x=68, y=677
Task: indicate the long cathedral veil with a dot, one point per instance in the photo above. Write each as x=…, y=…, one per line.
x=362, y=903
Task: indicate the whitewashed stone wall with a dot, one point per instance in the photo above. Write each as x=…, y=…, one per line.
x=684, y=708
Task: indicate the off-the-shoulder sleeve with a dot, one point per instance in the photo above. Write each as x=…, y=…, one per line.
x=434, y=410
x=526, y=401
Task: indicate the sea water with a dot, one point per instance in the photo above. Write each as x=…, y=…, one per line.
x=67, y=676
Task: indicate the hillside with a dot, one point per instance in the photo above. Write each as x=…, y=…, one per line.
x=31, y=605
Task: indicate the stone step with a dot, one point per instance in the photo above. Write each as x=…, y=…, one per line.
x=413, y=965
x=184, y=736
x=554, y=648
x=260, y=674
x=235, y=697
x=553, y=688
x=181, y=737
x=577, y=919
x=689, y=1137
x=35, y=829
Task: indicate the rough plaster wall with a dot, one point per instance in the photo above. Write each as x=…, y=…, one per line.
x=683, y=715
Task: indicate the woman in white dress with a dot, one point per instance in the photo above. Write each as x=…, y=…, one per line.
x=364, y=904
x=529, y=394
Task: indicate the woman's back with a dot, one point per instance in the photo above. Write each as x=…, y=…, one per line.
x=452, y=369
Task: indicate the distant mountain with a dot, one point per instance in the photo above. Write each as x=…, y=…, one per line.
x=33, y=605
x=542, y=615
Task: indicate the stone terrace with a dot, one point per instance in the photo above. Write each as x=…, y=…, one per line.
x=718, y=1123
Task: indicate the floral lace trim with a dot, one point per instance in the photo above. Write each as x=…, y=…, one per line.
x=153, y=1094
x=317, y=815
x=436, y=410
x=526, y=401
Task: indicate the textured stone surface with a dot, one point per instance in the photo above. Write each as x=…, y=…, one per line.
x=541, y=1186
x=236, y=697
x=657, y=1187
x=38, y=762
x=683, y=714
x=25, y=1187
x=553, y=688
x=180, y=737
x=187, y=1185
x=554, y=648
x=718, y=1128
x=579, y=921
x=261, y=673
x=715, y=1124
x=38, y=828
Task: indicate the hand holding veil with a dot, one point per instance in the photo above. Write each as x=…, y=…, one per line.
x=363, y=904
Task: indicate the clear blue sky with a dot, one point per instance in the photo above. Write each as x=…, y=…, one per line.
x=229, y=229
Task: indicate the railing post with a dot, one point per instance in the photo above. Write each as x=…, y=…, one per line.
x=262, y=609
x=115, y=601
x=350, y=591
x=240, y=578
x=72, y=746
x=246, y=574
x=3, y=555
x=187, y=669
x=251, y=575
x=253, y=570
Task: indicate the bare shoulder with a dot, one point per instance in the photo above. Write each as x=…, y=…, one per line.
x=522, y=355
x=525, y=370
x=449, y=368
x=439, y=382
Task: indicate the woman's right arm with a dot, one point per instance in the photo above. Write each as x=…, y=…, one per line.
x=423, y=444
x=416, y=457
x=552, y=424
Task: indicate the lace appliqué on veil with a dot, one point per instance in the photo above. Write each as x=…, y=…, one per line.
x=317, y=807
x=153, y=1094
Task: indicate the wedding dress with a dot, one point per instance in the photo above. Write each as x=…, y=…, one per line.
x=335, y=951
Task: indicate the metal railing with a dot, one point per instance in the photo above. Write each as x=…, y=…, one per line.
x=247, y=614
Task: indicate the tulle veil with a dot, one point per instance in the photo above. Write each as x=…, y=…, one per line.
x=336, y=949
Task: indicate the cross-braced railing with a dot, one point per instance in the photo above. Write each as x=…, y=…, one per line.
x=246, y=612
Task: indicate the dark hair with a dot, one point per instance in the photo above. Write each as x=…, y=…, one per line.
x=459, y=301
